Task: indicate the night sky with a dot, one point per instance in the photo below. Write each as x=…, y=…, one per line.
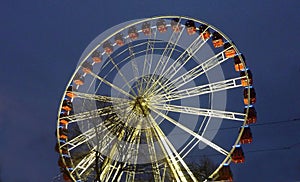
x=41, y=42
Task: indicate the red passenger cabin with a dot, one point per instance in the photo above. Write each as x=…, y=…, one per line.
x=119, y=40
x=96, y=56
x=238, y=65
x=252, y=95
x=63, y=122
x=246, y=137
x=61, y=163
x=67, y=163
x=217, y=40
x=251, y=118
x=63, y=133
x=229, y=50
x=87, y=67
x=108, y=48
x=67, y=105
x=161, y=25
x=133, y=33
x=176, y=26
x=146, y=28
x=190, y=27
x=225, y=173
x=63, y=149
x=204, y=32
x=78, y=79
x=70, y=92
x=244, y=81
x=66, y=177
x=238, y=155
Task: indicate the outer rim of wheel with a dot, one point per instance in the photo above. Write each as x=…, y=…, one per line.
x=228, y=158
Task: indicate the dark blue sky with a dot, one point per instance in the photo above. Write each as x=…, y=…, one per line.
x=41, y=42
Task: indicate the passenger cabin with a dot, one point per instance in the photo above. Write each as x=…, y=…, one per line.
x=161, y=25
x=217, y=40
x=63, y=149
x=237, y=155
x=190, y=27
x=87, y=67
x=252, y=95
x=108, y=48
x=70, y=90
x=67, y=105
x=251, y=118
x=78, y=79
x=119, y=40
x=246, y=137
x=63, y=133
x=64, y=164
x=244, y=81
x=61, y=163
x=63, y=113
x=133, y=33
x=238, y=65
x=229, y=50
x=204, y=32
x=63, y=122
x=146, y=28
x=96, y=56
x=175, y=24
x=66, y=177
x=225, y=173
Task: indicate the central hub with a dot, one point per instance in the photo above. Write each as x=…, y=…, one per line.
x=140, y=106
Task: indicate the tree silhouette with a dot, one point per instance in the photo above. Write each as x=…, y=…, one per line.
x=203, y=169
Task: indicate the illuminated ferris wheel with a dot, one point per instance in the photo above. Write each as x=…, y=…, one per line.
x=148, y=97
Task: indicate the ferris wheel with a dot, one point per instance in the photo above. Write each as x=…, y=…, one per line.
x=149, y=97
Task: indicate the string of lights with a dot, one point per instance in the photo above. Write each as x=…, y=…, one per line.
x=267, y=123
x=289, y=147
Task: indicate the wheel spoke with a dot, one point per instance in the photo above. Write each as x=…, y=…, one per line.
x=133, y=63
x=101, y=98
x=167, y=152
x=90, y=158
x=181, y=60
x=85, y=163
x=149, y=57
x=167, y=53
x=172, y=43
x=171, y=150
x=113, y=149
x=83, y=137
x=114, y=168
x=91, y=133
x=121, y=74
x=195, y=72
x=192, y=133
x=130, y=176
x=201, y=112
x=199, y=90
x=111, y=85
x=95, y=113
x=153, y=157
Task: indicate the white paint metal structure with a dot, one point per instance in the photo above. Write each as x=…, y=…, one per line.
x=145, y=94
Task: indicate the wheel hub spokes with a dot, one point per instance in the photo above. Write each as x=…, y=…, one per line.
x=140, y=106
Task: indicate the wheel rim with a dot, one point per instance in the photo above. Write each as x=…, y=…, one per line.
x=149, y=86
